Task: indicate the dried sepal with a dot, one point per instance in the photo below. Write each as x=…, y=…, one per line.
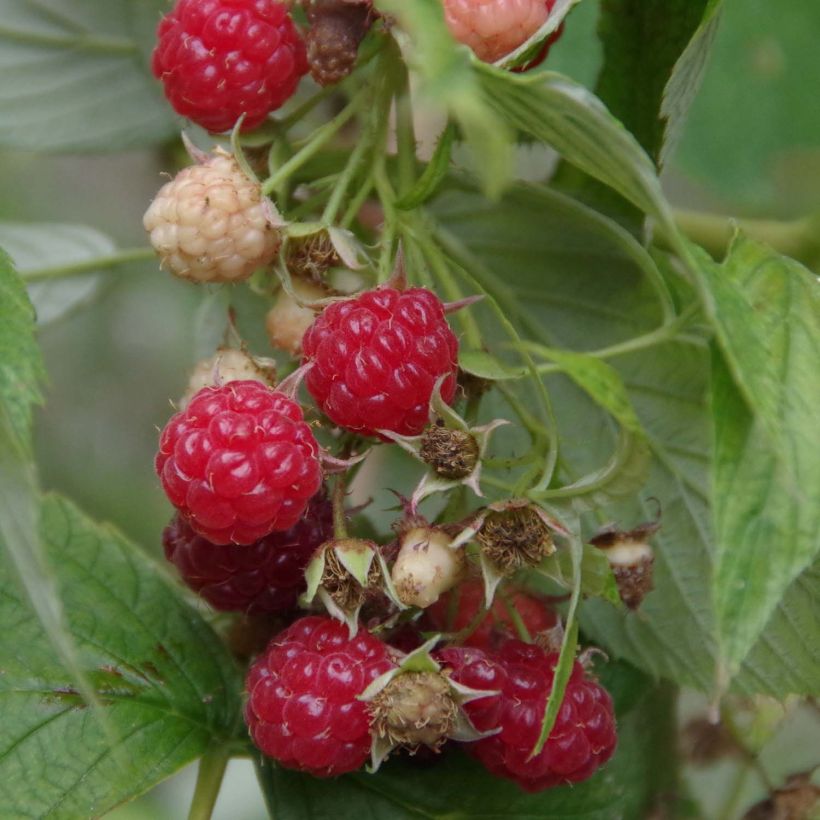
x=416, y=704
x=450, y=448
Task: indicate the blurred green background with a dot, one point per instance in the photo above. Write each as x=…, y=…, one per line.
x=751, y=148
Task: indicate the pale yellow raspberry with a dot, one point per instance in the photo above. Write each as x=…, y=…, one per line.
x=228, y=365
x=494, y=28
x=287, y=320
x=210, y=223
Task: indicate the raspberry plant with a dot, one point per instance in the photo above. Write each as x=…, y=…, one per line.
x=481, y=457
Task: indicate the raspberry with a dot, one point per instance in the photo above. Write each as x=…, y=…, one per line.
x=266, y=576
x=228, y=365
x=210, y=224
x=457, y=609
x=287, y=321
x=239, y=462
x=426, y=566
x=376, y=359
x=582, y=739
x=494, y=28
x=219, y=59
x=302, y=705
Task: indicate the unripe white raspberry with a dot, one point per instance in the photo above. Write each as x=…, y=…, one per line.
x=228, y=365
x=211, y=224
x=494, y=28
x=426, y=566
x=287, y=320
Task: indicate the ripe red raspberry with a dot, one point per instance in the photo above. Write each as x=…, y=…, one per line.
x=219, y=59
x=376, y=359
x=456, y=609
x=582, y=739
x=302, y=707
x=494, y=28
x=266, y=576
x=239, y=462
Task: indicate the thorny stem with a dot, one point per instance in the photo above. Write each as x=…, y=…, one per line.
x=321, y=136
x=212, y=767
x=515, y=617
x=339, y=522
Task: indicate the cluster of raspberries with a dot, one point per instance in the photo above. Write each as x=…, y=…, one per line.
x=222, y=60
x=255, y=531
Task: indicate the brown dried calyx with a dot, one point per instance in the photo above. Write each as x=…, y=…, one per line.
x=799, y=799
x=631, y=558
x=347, y=593
x=415, y=709
x=312, y=255
x=515, y=538
x=336, y=29
x=452, y=454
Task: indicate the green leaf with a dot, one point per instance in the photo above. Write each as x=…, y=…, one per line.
x=21, y=365
x=76, y=77
x=481, y=364
x=687, y=76
x=35, y=248
x=166, y=684
x=569, y=284
x=643, y=40
x=766, y=310
x=563, y=114
x=457, y=787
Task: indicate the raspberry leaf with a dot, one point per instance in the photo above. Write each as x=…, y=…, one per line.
x=56, y=62
x=21, y=365
x=766, y=310
x=166, y=686
x=62, y=263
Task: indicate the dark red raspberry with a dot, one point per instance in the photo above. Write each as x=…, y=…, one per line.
x=456, y=609
x=219, y=59
x=581, y=741
x=302, y=708
x=239, y=462
x=376, y=359
x=336, y=29
x=267, y=576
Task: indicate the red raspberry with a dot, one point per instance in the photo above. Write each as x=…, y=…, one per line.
x=377, y=357
x=494, y=28
x=267, y=576
x=219, y=59
x=302, y=708
x=239, y=462
x=456, y=609
x=581, y=741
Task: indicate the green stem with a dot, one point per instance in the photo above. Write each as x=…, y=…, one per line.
x=100, y=263
x=321, y=136
x=212, y=767
x=405, y=133
x=799, y=239
x=515, y=616
x=729, y=810
x=339, y=522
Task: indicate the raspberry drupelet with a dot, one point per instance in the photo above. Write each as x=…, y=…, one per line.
x=376, y=359
x=239, y=462
x=264, y=577
x=303, y=708
x=220, y=59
